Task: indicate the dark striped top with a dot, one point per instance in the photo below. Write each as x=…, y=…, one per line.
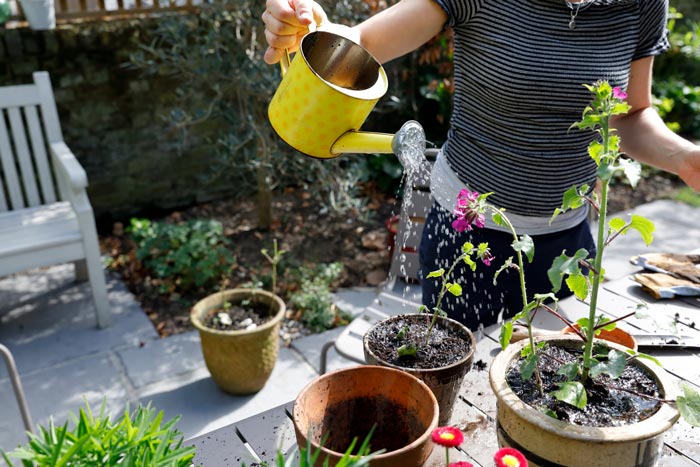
x=518, y=70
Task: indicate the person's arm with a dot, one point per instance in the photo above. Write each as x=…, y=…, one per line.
x=646, y=138
x=389, y=34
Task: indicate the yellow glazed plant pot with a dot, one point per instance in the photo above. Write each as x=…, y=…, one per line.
x=240, y=362
x=546, y=441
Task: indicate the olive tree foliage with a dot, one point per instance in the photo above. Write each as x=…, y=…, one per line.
x=216, y=57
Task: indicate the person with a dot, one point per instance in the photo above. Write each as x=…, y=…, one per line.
x=519, y=66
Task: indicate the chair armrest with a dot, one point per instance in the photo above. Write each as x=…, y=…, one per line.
x=68, y=167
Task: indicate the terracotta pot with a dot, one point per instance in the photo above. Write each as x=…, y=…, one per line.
x=240, y=362
x=346, y=403
x=546, y=441
x=444, y=381
x=617, y=335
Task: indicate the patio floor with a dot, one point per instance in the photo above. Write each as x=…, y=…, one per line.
x=47, y=321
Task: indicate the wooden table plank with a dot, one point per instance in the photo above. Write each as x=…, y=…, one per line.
x=270, y=431
x=480, y=440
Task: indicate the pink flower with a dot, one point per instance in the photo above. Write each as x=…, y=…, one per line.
x=468, y=211
x=619, y=93
x=447, y=436
x=509, y=457
x=460, y=464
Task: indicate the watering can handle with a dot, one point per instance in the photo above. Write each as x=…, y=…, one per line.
x=285, y=61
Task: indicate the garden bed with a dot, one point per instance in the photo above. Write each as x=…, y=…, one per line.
x=310, y=235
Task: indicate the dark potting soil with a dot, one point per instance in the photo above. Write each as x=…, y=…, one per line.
x=443, y=348
x=354, y=418
x=606, y=406
x=240, y=316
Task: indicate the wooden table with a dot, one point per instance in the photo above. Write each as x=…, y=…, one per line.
x=259, y=437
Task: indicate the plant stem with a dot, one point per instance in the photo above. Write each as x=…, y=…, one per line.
x=598, y=262
x=443, y=289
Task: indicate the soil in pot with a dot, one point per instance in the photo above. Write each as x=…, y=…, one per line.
x=354, y=418
x=246, y=315
x=443, y=348
x=606, y=407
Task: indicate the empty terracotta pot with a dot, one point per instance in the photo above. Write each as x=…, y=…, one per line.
x=346, y=403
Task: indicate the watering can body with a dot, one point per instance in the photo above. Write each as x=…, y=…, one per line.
x=326, y=94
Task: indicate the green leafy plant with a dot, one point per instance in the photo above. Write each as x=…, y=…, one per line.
x=5, y=11
x=183, y=256
x=308, y=456
x=137, y=439
x=314, y=298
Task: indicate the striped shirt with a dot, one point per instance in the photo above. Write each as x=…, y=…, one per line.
x=518, y=71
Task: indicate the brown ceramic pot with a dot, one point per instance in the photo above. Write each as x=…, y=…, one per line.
x=346, y=403
x=240, y=362
x=444, y=381
x=546, y=441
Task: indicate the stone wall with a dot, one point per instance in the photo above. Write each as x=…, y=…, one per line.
x=113, y=116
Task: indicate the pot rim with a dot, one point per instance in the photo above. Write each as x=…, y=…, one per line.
x=399, y=373
x=656, y=424
x=200, y=309
x=469, y=355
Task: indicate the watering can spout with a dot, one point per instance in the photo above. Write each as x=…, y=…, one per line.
x=410, y=136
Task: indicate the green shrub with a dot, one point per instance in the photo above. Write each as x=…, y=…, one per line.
x=314, y=299
x=139, y=439
x=184, y=256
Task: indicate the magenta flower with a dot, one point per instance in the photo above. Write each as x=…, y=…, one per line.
x=447, y=436
x=509, y=457
x=461, y=464
x=469, y=211
x=619, y=93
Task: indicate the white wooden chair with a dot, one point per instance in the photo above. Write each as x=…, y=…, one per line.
x=401, y=293
x=40, y=223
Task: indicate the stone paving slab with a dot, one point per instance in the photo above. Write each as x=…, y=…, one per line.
x=59, y=390
x=58, y=325
x=204, y=407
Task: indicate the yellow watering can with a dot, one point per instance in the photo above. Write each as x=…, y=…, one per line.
x=326, y=94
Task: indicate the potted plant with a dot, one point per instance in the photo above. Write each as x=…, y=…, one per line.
x=549, y=389
x=137, y=439
x=239, y=333
x=396, y=408
x=436, y=349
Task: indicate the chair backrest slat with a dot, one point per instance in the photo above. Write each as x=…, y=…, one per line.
x=41, y=160
x=23, y=157
x=14, y=190
x=28, y=124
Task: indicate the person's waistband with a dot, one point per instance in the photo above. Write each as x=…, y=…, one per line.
x=445, y=186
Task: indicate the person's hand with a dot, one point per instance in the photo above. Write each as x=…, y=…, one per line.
x=286, y=22
x=689, y=168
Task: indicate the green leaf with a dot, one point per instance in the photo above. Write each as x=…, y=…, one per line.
x=578, y=283
x=506, y=264
x=613, y=366
x=616, y=224
x=644, y=356
x=528, y=365
x=407, y=350
x=569, y=371
x=644, y=226
x=572, y=199
x=506, y=334
x=689, y=405
x=498, y=219
x=455, y=289
x=572, y=393
x=595, y=150
x=565, y=265
x=438, y=273
x=525, y=245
